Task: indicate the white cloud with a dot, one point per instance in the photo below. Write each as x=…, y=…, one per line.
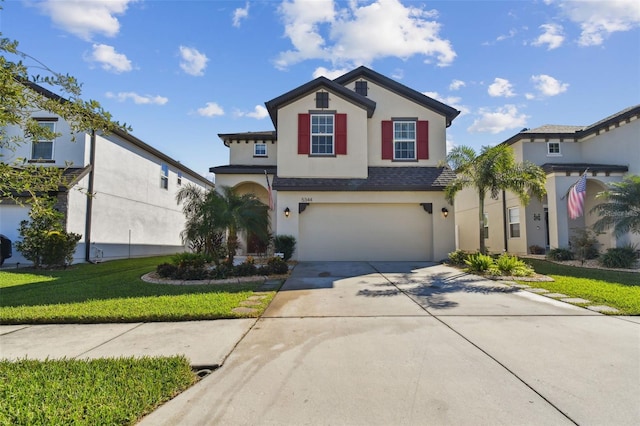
x=457, y=84
x=548, y=86
x=193, y=62
x=330, y=74
x=138, y=99
x=109, y=59
x=599, y=19
x=239, y=14
x=259, y=113
x=552, y=36
x=360, y=33
x=452, y=101
x=501, y=87
x=211, y=110
x=499, y=120
x=512, y=33
x=86, y=18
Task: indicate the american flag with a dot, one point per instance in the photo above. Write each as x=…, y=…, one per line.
x=576, y=197
x=269, y=189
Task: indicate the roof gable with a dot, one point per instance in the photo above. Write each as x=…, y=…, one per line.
x=363, y=72
x=321, y=82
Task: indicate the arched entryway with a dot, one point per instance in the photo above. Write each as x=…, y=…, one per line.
x=251, y=244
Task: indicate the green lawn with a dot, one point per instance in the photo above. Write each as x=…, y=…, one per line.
x=620, y=290
x=94, y=392
x=113, y=292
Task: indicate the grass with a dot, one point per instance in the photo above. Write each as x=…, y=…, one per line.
x=94, y=392
x=620, y=290
x=113, y=292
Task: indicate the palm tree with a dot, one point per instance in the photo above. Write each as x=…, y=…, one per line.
x=621, y=207
x=490, y=172
x=200, y=230
x=214, y=212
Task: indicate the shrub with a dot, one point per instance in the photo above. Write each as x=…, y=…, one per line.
x=44, y=241
x=285, y=244
x=246, y=269
x=191, y=260
x=620, y=257
x=560, y=254
x=221, y=272
x=584, y=244
x=511, y=265
x=167, y=270
x=478, y=263
x=191, y=273
x=536, y=249
x=277, y=266
x=458, y=257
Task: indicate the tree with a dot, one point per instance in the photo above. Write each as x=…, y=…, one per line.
x=620, y=208
x=492, y=171
x=210, y=212
x=22, y=94
x=200, y=231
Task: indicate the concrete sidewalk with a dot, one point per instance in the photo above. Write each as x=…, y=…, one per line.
x=204, y=343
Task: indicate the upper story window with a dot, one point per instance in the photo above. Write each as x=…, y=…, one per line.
x=553, y=149
x=179, y=178
x=260, y=150
x=514, y=222
x=322, y=134
x=322, y=100
x=361, y=88
x=42, y=149
x=404, y=140
x=164, y=176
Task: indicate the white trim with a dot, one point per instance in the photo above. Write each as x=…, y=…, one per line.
x=332, y=134
x=256, y=154
x=414, y=141
x=554, y=154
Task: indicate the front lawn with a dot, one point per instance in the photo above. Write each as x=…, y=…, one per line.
x=113, y=292
x=620, y=290
x=94, y=392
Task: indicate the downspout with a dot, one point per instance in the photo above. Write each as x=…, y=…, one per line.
x=504, y=220
x=87, y=222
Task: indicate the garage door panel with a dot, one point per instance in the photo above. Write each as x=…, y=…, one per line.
x=365, y=232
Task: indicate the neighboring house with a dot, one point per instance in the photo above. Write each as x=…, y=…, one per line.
x=133, y=210
x=606, y=150
x=354, y=166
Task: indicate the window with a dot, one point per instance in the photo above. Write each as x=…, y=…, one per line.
x=260, y=150
x=553, y=149
x=179, y=178
x=361, y=88
x=164, y=176
x=404, y=140
x=322, y=134
x=43, y=148
x=514, y=222
x=485, y=226
x=322, y=100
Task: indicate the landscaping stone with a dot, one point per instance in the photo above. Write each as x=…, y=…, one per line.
x=243, y=310
x=556, y=295
x=576, y=300
x=603, y=309
x=538, y=290
x=250, y=303
x=256, y=297
x=522, y=286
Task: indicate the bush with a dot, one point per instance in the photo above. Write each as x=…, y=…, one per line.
x=584, y=244
x=478, y=263
x=191, y=273
x=167, y=270
x=277, y=266
x=511, y=265
x=560, y=254
x=246, y=269
x=620, y=257
x=536, y=249
x=285, y=244
x=191, y=260
x=458, y=257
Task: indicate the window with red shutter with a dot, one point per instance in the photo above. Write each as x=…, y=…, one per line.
x=304, y=133
x=423, y=140
x=341, y=134
x=387, y=140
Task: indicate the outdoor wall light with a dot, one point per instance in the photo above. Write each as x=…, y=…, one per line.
x=287, y=212
x=445, y=212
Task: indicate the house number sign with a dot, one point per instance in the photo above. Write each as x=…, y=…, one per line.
x=307, y=199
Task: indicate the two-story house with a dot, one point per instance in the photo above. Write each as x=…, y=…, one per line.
x=354, y=169
x=605, y=150
x=122, y=197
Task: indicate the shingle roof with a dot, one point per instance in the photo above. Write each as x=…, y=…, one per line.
x=263, y=136
x=241, y=170
x=554, y=128
x=581, y=167
x=379, y=179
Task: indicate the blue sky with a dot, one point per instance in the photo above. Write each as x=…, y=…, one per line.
x=180, y=72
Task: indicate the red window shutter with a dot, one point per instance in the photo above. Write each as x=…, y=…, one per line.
x=387, y=140
x=341, y=134
x=423, y=140
x=304, y=133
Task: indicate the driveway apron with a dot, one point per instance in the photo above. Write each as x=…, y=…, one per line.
x=382, y=343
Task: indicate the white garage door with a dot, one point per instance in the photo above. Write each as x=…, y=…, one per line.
x=365, y=232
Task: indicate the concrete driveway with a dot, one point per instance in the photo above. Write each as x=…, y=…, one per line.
x=418, y=344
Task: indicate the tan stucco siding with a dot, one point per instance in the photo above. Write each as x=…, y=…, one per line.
x=619, y=145
x=241, y=153
x=292, y=164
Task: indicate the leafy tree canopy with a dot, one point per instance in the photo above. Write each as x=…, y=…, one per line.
x=620, y=208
